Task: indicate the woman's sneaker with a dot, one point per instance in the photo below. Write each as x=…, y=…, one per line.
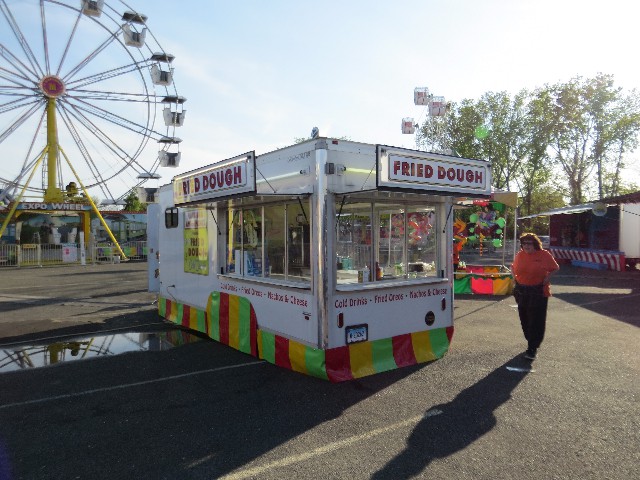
x=530, y=354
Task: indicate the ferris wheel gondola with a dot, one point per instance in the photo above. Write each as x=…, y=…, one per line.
x=435, y=105
x=84, y=88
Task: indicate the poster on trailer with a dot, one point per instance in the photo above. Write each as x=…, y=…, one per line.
x=196, y=242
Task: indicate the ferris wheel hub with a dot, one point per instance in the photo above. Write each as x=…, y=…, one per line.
x=52, y=86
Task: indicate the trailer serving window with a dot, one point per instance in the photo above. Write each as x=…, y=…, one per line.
x=385, y=242
x=269, y=241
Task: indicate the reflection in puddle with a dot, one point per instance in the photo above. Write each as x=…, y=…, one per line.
x=33, y=356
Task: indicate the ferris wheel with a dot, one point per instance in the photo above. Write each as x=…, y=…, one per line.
x=435, y=106
x=85, y=88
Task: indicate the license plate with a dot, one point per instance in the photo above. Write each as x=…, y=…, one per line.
x=357, y=333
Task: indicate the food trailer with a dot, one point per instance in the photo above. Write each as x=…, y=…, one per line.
x=331, y=258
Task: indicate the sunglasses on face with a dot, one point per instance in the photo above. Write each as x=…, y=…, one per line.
x=526, y=243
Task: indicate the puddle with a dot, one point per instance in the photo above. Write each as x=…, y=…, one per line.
x=22, y=357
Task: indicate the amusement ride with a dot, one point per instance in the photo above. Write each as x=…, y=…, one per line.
x=84, y=87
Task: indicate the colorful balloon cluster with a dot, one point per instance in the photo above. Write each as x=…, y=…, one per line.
x=486, y=224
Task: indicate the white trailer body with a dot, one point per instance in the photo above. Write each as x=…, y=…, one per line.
x=630, y=232
x=329, y=257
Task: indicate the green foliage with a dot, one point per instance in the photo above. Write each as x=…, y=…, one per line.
x=133, y=203
x=565, y=140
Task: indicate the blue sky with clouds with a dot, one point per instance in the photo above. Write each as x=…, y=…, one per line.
x=259, y=73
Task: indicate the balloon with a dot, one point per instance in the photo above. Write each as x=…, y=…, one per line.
x=501, y=222
x=413, y=224
x=472, y=237
x=499, y=231
x=473, y=218
x=471, y=230
x=497, y=242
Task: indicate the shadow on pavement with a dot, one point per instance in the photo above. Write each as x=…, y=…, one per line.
x=449, y=428
x=611, y=294
x=186, y=414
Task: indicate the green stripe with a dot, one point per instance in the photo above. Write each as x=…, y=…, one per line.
x=268, y=347
x=314, y=361
x=201, y=321
x=214, y=316
x=244, y=325
x=383, y=359
x=178, y=318
x=439, y=341
x=462, y=285
x=162, y=307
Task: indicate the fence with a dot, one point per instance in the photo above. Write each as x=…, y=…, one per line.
x=41, y=254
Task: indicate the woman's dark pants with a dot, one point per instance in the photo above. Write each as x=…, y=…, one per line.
x=532, y=309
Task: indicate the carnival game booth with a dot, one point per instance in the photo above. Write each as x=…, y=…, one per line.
x=602, y=235
x=484, y=231
x=331, y=258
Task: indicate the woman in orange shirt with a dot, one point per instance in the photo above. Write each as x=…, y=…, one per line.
x=532, y=268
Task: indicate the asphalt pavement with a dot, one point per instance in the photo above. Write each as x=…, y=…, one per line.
x=200, y=410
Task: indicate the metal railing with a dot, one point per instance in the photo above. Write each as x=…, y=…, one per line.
x=41, y=254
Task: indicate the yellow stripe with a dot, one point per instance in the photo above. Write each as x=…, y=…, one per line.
x=296, y=357
x=173, y=312
x=234, y=321
x=361, y=357
x=193, y=318
x=422, y=347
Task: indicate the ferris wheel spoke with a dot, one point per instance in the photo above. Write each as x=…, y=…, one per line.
x=18, y=103
x=104, y=138
x=43, y=18
x=80, y=144
x=15, y=125
x=87, y=60
x=99, y=77
x=69, y=40
x=115, y=96
x=15, y=28
x=114, y=119
x=22, y=71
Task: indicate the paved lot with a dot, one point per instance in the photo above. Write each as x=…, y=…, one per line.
x=205, y=411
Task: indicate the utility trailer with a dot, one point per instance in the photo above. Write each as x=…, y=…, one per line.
x=331, y=258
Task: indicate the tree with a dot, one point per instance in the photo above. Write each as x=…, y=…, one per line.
x=133, y=203
x=591, y=126
x=571, y=137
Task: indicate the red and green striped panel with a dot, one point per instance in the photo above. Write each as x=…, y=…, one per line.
x=356, y=360
x=185, y=315
x=231, y=320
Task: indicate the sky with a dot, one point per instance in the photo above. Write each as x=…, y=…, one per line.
x=257, y=74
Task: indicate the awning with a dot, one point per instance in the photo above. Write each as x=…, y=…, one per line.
x=564, y=210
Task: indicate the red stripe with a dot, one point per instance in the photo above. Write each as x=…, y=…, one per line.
x=282, y=352
x=224, y=318
x=403, y=352
x=338, y=364
x=450, y=333
x=186, y=310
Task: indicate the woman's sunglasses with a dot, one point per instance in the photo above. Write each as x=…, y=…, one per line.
x=526, y=243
